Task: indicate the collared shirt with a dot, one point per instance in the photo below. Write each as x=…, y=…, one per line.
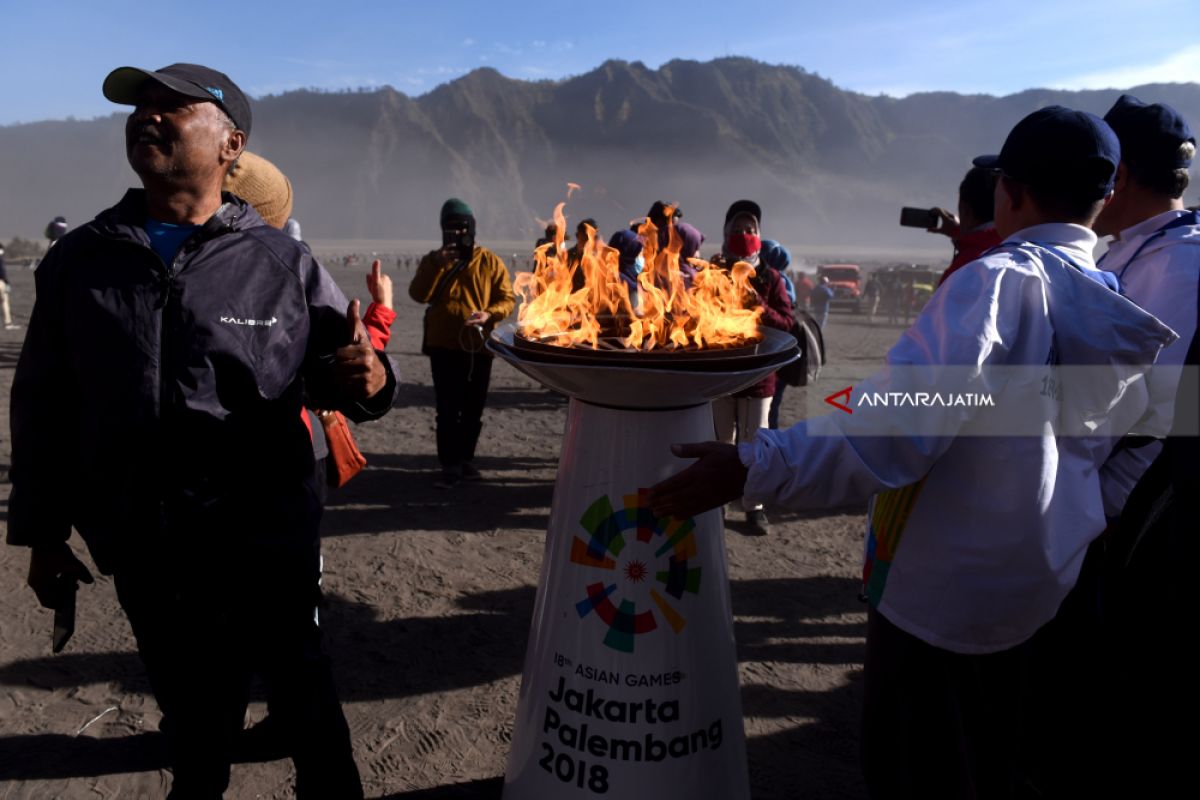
x=1162, y=275
x=974, y=541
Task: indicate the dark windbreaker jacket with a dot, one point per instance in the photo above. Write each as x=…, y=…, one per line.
x=156, y=403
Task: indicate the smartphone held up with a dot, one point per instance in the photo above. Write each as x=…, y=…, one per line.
x=927, y=218
x=461, y=242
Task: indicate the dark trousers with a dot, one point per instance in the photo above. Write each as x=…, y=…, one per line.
x=776, y=403
x=938, y=724
x=202, y=632
x=460, y=386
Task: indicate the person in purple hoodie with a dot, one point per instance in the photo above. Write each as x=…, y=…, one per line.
x=629, y=246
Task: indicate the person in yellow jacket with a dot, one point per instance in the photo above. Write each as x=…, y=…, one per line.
x=467, y=291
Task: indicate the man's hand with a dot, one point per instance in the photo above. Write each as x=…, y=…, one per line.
x=356, y=370
x=379, y=285
x=53, y=571
x=478, y=318
x=717, y=478
x=947, y=224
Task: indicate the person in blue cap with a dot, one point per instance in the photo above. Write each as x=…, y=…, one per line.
x=156, y=411
x=1155, y=252
x=973, y=541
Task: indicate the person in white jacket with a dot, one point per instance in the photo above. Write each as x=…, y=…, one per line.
x=974, y=537
x=1155, y=252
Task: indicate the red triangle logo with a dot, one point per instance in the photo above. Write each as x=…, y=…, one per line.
x=844, y=404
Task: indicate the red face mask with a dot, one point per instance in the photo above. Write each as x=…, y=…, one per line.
x=743, y=245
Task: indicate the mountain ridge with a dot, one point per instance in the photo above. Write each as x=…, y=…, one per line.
x=828, y=165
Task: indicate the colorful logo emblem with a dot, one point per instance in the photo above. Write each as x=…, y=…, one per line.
x=660, y=548
x=215, y=92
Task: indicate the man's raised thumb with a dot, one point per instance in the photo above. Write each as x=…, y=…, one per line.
x=356, y=325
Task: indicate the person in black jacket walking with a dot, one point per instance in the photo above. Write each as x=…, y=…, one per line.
x=156, y=409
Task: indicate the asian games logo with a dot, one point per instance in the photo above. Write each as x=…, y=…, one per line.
x=628, y=598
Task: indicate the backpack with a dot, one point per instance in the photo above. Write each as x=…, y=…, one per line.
x=807, y=368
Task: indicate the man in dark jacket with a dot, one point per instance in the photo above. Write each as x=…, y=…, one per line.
x=156, y=409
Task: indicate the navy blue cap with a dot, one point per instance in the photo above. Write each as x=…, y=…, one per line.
x=124, y=84
x=1150, y=134
x=627, y=243
x=1058, y=147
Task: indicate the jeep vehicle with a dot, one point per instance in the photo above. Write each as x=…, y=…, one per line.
x=845, y=280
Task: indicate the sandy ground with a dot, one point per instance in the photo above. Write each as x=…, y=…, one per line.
x=429, y=596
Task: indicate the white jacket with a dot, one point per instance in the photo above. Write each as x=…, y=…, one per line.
x=1161, y=273
x=981, y=537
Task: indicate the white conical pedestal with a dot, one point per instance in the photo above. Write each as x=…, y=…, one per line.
x=630, y=685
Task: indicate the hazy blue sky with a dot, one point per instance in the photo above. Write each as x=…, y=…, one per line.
x=54, y=55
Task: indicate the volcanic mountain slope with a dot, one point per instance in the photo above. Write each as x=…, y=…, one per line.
x=828, y=165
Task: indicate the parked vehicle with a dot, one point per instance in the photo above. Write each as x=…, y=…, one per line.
x=846, y=282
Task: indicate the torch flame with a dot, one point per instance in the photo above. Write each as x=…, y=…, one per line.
x=578, y=299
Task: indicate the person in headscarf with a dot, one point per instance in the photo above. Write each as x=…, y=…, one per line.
x=737, y=418
x=630, y=262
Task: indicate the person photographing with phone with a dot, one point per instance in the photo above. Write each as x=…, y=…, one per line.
x=467, y=290
x=973, y=230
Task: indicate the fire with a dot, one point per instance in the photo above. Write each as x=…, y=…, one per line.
x=587, y=304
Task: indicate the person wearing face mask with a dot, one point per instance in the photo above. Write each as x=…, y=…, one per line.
x=737, y=418
x=467, y=291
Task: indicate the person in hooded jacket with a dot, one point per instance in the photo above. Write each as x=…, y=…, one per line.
x=739, y=417
x=156, y=409
x=467, y=289
x=630, y=262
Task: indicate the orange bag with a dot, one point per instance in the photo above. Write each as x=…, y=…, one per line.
x=345, y=459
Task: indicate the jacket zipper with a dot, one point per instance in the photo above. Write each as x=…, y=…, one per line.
x=165, y=339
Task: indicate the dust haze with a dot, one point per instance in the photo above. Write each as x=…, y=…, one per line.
x=830, y=168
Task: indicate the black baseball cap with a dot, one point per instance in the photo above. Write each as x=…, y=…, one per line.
x=1150, y=134
x=744, y=207
x=191, y=80
x=1057, y=147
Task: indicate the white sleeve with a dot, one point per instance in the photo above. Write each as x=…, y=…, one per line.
x=973, y=319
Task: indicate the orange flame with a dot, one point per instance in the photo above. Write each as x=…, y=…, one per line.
x=575, y=297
